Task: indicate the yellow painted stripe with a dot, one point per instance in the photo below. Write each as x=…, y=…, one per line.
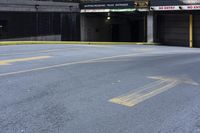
x=40, y=51
x=191, y=30
x=133, y=98
x=8, y=62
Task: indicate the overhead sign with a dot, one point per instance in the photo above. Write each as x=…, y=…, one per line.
x=168, y=5
x=179, y=7
x=106, y=10
x=107, y=5
x=174, y=2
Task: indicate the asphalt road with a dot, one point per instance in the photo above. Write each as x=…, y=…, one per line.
x=99, y=89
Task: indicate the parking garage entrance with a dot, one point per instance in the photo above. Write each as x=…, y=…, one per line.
x=173, y=28
x=113, y=27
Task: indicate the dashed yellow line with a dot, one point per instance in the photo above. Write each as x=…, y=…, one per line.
x=8, y=62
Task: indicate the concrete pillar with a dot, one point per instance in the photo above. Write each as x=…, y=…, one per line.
x=150, y=28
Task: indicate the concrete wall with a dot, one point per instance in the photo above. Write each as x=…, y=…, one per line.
x=39, y=6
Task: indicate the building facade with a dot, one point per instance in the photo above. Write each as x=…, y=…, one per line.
x=39, y=20
x=166, y=22
x=175, y=22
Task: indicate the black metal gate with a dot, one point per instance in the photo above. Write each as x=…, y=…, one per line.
x=196, y=30
x=173, y=29
x=70, y=27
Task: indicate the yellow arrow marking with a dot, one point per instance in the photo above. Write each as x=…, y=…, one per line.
x=163, y=84
x=8, y=62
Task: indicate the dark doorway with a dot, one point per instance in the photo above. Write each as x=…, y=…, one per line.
x=115, y=32
x=3, y=27
x=135, y=30
x=121, y=27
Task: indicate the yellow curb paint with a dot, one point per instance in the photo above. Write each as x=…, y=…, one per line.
x=74, y=42
x=8, y=62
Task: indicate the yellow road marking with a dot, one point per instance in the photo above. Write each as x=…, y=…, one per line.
x=41, y=51
x=55, y=50
x=67, y=64
x=133, y=99
x=163, y=84
x=8, y=62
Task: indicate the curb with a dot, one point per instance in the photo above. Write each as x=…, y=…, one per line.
x=3, y=43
